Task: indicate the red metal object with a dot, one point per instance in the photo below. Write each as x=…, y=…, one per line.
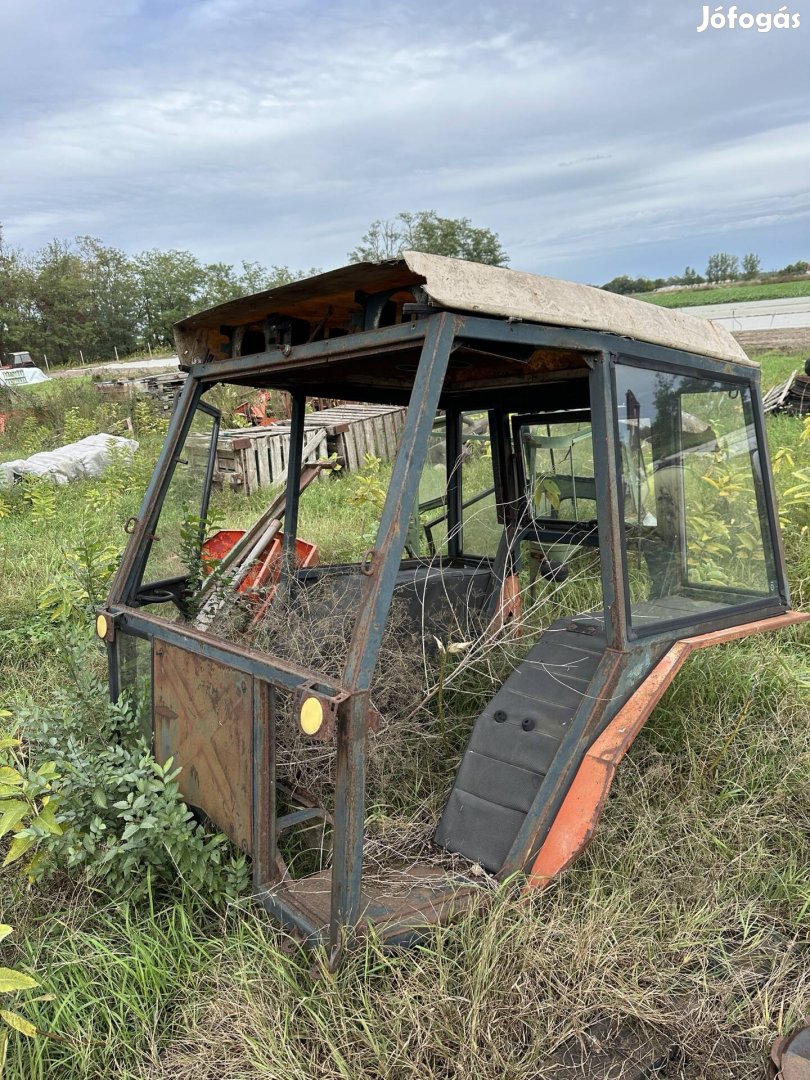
x=576, y=821
x=267, y=565
x=257, y=412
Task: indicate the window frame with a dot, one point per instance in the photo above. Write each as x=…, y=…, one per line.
x=763, y=486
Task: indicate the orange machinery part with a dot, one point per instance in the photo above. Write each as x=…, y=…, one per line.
x=582, y=807
x=266, y=566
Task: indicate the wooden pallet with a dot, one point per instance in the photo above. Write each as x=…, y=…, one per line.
x=253, y=458
x=791, y=396
x=164, y=388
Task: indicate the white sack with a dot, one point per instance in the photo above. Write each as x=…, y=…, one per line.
x=22, y=376
x=88, y=457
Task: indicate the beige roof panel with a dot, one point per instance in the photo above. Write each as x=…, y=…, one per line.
x=466, y=287
x=494, y=290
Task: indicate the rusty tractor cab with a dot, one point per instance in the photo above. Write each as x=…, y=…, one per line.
x=604, y=424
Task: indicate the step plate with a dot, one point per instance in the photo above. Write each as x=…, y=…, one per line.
x=515, y=740
x=398, y=905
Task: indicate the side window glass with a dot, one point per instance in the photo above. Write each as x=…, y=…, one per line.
x=481, y=530
x=179, y=532
x=558, y=468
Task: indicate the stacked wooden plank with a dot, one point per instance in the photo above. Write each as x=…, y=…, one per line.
x=791, y=396
x=162, y=387
x=253, y=458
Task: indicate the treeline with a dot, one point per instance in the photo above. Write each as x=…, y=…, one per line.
x=722, y=266
x=84, y=299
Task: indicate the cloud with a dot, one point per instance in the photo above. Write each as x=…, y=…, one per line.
x=277, y=130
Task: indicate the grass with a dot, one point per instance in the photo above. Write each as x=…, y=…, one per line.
x=727, y=294
x=687, y=916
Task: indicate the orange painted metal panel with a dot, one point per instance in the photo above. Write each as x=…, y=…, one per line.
x=579, y=814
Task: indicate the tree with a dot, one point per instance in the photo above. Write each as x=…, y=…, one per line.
x=113, y=296
x=800, y=267
x=62, y=302
x=722, y=267
x=690, y=276
x=170, y=283
x=16, y=315
x=426, y=231
x=751, y=265
x=627, y=286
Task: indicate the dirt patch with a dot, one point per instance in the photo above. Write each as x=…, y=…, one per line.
x=793, y=340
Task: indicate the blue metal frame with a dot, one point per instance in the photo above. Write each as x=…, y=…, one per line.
x=436, y=335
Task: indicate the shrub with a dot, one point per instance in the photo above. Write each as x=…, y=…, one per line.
x=122, y=816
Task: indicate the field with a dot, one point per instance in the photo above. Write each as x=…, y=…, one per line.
x=727, y=294
x=686, y=920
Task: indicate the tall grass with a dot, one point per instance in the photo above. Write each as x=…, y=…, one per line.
x=688, y=917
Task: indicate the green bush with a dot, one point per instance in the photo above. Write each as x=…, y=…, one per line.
x=123, y=820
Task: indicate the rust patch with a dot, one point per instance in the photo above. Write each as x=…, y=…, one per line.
x=204, y=721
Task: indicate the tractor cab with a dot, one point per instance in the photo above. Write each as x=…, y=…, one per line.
x=581, y=486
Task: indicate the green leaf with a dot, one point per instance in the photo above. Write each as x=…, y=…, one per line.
x=13, y=813
x=11, y=980
x=10, y=776
x=19, y=846
x=7, y=741
x=5, y=930
x=47, y=819
x=19, y=1023
x=99, y=798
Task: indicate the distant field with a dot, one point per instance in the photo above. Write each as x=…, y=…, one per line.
x=727, y=294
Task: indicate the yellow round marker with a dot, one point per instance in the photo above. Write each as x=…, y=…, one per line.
x=101, y=625
x=311, y=716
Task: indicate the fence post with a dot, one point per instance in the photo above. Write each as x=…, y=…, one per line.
x=81, y=354
x=115, y=350
x=45, y=358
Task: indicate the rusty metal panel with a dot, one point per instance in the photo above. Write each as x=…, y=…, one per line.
x=204, y=720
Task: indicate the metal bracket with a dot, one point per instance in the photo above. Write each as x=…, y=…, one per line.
x=330, y=705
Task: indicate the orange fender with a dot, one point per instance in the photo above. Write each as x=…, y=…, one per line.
x=582, y=807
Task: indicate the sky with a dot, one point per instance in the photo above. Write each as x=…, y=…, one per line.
x=595, y=139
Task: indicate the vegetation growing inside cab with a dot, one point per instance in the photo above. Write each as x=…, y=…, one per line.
x=687, y=915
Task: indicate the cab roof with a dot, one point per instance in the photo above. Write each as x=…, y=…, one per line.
x=331, y=301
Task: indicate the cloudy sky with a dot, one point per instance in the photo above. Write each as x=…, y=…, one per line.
x=596, y=139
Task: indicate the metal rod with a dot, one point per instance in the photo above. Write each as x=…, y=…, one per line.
x=453, y=450
x=137, y=550
x=263, y=808
x=383, y=561
x=294, y=455
x=349, y=818
x=374, y=604
x=251, y=661
x=609, y=511
x=404, y=335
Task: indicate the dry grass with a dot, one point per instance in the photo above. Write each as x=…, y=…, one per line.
x=687, y=920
